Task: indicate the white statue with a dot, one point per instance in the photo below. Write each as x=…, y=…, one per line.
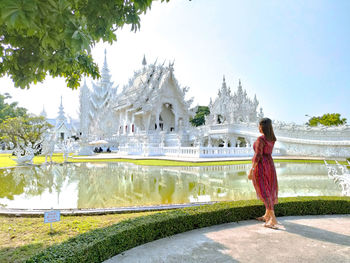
x=48, y=146
x=66, y=146
x=24, y=156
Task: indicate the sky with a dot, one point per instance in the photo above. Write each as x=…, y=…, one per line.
x=294, y=55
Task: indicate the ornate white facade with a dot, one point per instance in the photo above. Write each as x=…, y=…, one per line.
x=150, y=116
x=232, y=108
x=95, y=106
x=152, y=108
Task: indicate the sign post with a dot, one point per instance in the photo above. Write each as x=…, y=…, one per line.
x=52, y=216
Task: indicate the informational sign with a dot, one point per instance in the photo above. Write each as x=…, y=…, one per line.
x=52, y=216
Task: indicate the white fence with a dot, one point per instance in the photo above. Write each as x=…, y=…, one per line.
x=199, y=152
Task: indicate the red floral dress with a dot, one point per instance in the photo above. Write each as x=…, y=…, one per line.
x=264, y=175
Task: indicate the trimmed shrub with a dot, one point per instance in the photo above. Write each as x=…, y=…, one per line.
x=101, y=244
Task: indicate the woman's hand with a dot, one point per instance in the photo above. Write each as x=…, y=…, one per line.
x=250, y=175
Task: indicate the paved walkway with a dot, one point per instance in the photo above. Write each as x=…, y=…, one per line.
x=300, y=239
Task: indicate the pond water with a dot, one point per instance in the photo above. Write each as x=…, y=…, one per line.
x=105, y=185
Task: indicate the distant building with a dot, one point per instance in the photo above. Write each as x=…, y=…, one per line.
x=62, y=128
x=232, y=108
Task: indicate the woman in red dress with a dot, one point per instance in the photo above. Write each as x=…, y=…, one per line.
x=263, y=172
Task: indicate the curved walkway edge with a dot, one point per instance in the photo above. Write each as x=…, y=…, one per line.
x=324, y=238
x=97, y=211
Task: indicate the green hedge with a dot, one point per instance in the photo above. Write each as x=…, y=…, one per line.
x=101, y=244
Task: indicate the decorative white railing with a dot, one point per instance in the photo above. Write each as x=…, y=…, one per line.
x=341, y=175
x=329, y=136
x=199, y=152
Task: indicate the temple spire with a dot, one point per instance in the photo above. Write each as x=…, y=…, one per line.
x=61, y=118
x=43, y=112
x=105, y=60
x=105, y=77
x=224, y=87
x=144, y=62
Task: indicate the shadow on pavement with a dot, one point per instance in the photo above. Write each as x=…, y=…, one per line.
x=317, y=233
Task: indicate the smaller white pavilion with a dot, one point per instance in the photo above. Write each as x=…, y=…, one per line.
x=63, y=128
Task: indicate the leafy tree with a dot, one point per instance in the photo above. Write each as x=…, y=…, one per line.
x=199, y=118
x=328, y=119
x=10, y=110
x=23, y=131
x=55, y=36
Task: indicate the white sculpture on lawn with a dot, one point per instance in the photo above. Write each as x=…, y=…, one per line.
x=66, y=146
x=24, y=154
x=48, y=146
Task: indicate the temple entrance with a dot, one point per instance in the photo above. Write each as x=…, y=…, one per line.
x=168, y=118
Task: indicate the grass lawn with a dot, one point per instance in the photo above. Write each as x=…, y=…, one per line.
x=6, y=161
x=21, y=238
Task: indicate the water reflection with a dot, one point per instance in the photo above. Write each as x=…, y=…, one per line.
x=99, y=185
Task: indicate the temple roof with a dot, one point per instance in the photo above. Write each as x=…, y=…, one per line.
x=143, y=88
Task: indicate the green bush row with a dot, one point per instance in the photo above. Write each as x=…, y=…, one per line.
x=101, y=244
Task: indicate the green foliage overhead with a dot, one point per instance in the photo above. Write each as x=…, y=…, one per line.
x=103, y=243
x=23, y=130
x=199, y=118
x=10, y=110
x=328, y=119
x=55, y=36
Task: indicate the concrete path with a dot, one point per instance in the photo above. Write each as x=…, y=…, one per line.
x=300, y=239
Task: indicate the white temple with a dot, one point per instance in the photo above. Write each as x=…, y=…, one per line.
x=150, y=116
x=231, y=108
x=95, y=106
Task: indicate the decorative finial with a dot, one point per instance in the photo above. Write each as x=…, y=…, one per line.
x=105, y=61
x=144, y=62
x=240, y=82
x=43, y=112
x=223, y=79
x=61, y=101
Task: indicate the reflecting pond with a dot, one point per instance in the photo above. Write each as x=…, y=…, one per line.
x=102, y=185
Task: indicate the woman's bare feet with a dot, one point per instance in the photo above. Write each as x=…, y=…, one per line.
x=272, y=226
x=272, y=223
x=262, y=218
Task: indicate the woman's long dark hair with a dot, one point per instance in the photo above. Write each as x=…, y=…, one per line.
x=266, y=126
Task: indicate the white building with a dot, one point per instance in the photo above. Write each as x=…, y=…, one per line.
x=231, y=108
x=150, y=116
x=62, y=127
x=152, y=101
x=95, y=112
